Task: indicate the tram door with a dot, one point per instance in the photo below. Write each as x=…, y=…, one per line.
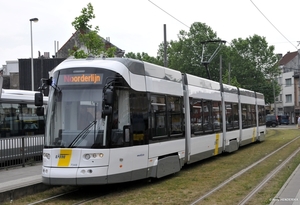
x=127, y=162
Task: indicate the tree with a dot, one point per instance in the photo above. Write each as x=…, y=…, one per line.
x=233, y=80
x=254, y=65
x=184, y=54
x=89, y=37
x=145, y=57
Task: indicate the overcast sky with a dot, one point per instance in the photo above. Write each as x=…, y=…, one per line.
x=137, y=25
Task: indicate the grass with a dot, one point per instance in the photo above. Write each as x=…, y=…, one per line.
x=197, y=179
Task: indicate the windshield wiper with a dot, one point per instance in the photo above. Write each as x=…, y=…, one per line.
x=56, y=87
x=82, y=134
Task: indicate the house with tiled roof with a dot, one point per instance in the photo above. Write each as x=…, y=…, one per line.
x=289, y=60
x=63, y=52
x=287, y=103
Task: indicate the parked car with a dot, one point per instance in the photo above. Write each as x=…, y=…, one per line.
x=271, y=120
x=283, y=119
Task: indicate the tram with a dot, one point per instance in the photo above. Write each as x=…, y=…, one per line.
x=18, y=113
x=21, y=129
x=115, y=120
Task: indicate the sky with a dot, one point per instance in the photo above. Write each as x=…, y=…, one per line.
x=138, y=25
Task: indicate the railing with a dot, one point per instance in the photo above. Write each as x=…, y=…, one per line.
x=17, y=151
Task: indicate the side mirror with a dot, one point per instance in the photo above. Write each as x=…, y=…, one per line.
x=38, y=99
x=108, y=97
x=45, y=83
x=107, y=110
x=40, y=111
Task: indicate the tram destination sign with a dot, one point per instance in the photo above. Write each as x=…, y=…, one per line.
x=78, y=79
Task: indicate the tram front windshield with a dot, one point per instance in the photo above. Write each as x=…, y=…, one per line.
x=74, y=116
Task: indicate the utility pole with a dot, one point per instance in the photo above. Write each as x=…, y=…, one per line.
x=165, y=46
x=275, y=111
x=228, y=73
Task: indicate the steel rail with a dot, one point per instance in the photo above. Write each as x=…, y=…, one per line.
x=53, y=197
x=265, y=180
x=241, y=172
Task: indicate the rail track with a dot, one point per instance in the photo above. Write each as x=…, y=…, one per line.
x=240, y=173
x=77, y=196
x=83, y=195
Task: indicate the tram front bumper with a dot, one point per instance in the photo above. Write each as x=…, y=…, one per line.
x=74, y=176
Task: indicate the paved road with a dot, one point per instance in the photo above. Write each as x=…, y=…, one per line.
x=293, y=126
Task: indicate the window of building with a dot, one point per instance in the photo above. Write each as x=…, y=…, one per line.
x=288, y=82
x=288, y=98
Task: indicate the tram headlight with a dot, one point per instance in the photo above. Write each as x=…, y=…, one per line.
x=87, y=156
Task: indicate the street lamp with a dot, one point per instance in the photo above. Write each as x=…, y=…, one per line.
x=32, y=80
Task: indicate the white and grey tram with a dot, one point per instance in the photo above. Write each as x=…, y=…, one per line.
x=116, y=120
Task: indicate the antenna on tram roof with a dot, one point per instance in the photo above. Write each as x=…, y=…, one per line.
x=204, y=48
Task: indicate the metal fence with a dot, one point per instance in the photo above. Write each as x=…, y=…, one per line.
x=17, y=151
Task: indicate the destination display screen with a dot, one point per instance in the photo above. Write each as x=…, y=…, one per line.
x=80, y=79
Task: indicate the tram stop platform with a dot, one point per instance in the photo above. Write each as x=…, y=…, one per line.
x=22, y=181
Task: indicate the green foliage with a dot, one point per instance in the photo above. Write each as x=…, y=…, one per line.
x=94, y=44
x=254, y=65
x=77, y=53
x=145, y=57
x=233, y=81
x=81, y=22
x=185, y=54
x=253, y=62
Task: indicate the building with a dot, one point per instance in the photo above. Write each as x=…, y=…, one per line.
x=17, y=74
x=63, y=52
x=287, y=103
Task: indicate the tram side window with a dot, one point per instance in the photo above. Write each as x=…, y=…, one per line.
x=261, y=115
x=232, y=116
x=121, y=116
x=253, y=115
x=196, y=117
x=158, y=116
x=175, y=116
x=235, y=115
x=247, y=114
x=20, y=119
x=229, y=116
x=139, y=117
x=216, y=113
x=207, y=116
